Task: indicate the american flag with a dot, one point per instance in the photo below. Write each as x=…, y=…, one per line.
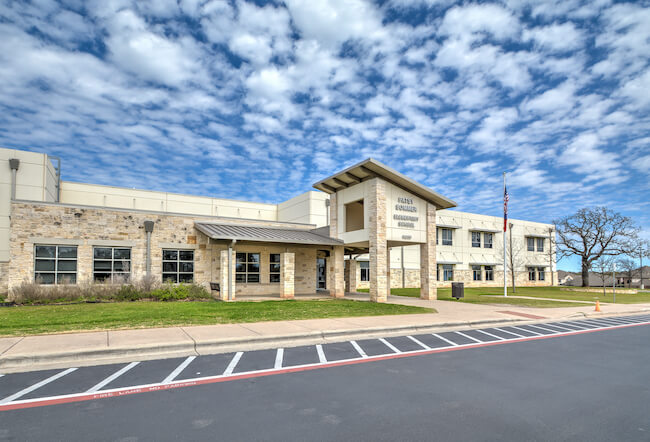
x=506, y=198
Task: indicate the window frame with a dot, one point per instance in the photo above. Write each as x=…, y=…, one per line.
x=541, y=274
x=486, y=244
x=112, y=272
x=475, y=236
x=273, y=273
x=489, y=273
x=477, y=276
x=447, y=272
x=538, y=242
x=530, y=244
x=246, y=264
x=178, y=261
x=532, y=273
x=447, y=241
x=364, y=270
x=56, y=258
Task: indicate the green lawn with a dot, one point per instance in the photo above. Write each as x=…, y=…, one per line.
x=59, y=318
x=475, y=296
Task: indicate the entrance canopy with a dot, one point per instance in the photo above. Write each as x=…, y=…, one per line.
x=265, y=234
x=371, y=168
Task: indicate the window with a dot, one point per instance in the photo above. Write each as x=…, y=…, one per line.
x=489, y=273
x=178, y=265
x=438, y=272
x=476, y=239
x=55, y=264
x=111, y=264
x=476, y=273
x=488, y=240
x=541, y=275
x=274, y=267
x=446, y=237
x=531, y=273
x=531, y=244
x=540, y=244
x=365, y=270
x=447, y=272
x=248, y=267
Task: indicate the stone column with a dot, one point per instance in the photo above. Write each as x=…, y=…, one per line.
x=377, y=240
x=333, y=217
x=388, y=276
x=428, y=289
x=353, y=275
x=223, y=277
x=287, y=275
x=335, y=272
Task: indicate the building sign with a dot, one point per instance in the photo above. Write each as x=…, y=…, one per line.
x=407, y=218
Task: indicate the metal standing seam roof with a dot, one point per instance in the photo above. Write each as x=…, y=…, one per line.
x=265, y=234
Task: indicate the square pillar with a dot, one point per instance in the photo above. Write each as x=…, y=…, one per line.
x=353, y=275
x=388, y=277
x=336, y=272
x=428, y=287
x=334, y=232
x=223, y=278
x=379, y=284
x=287, y=275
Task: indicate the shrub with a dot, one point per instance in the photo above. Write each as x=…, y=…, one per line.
x=172, y=292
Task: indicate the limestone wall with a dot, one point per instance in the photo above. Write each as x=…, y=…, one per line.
x=4, y=278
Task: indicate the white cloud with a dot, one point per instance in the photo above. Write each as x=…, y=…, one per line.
x=560, y=98
x=555, y=37
x=467, y=21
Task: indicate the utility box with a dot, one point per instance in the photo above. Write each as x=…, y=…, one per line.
x=458, y=290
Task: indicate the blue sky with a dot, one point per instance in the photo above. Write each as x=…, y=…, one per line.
x=258, y=100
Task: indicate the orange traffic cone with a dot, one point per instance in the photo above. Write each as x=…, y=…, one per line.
x=597, y=309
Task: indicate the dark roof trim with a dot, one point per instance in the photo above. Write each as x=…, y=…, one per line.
x=241, y=232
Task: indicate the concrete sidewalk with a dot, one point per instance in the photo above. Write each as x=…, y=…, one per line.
x=92, y=348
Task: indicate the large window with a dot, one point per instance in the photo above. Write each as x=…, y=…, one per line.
x=476, y=273
x=530, y=242
x=541, y=274
x=488, y=239
x=111, y=264
x=178, y=265
x=540, y=244
x=274, y=267
x=489, y=273
x=55, y=264
x=447, y=272
x=248, y=267
x=365, y=270
x=476, y=239
x=447, y=237
x=531, y=273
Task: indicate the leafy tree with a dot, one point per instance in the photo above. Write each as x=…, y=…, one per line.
x=594, y=233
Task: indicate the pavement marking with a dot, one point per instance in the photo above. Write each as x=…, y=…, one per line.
x=391, y=346
x=178, y=369
x=543, y=328
x=468, y=337
x=453, y=344
x=526, y=330
x=490, y=334
x=24, y=391
x=555, y=325
x=420, y=343
x=600, y=323
x=112, y=377
x=619, y=321
x=321, y=354
x=359, y=349
x=576, y=325
x=279, y=356
x=509, y=332
x=233, y=363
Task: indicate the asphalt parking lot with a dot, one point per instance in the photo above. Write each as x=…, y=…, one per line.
x=40, y=388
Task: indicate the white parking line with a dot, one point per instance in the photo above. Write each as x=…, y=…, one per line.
x=112, y=377
x=621, y=321
x=420, y=343
x=233, y=363
x=600, y=323
x=526, y=330
x=576, y=325
x=321, y=354
x=359, y=349
x=509, y=332
x=279, y=356
x=453, y=344
x=391, y=346
x=178, y=370
x=490, y=334
x=27, y=390
x=469, y=337
x=553, y=324
x=543, y=328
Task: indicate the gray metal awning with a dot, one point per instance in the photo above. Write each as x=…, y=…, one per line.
x=265, y=234
x=371, y=168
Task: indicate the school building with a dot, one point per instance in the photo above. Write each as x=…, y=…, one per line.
x=367, y=226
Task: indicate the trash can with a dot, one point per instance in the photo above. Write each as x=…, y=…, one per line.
x=458, y=290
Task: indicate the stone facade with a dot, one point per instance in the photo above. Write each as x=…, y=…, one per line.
x=428, y=257
x=335, y=272
x=377, y=241
x=39, y=223
x=287, y=274
x=4, y=278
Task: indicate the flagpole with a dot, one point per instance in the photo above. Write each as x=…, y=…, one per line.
x=505, y=269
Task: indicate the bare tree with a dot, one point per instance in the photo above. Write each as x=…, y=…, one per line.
x=627, y=267
x=640, y=249
x=594, y=233
x=603, y=268
x=515, y=254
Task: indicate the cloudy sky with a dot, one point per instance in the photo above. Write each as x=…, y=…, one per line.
x=258, y=100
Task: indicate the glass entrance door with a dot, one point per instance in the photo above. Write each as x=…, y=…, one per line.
x=321, y=274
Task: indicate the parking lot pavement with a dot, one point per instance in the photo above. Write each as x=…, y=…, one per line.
x=22, y=390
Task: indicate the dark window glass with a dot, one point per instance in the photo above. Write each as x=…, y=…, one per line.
x=476, y=273
x=274, y=257
x=179, y=262
x=186, y=255
x=540, y=244
x=274, y=268
x=530, y=242
x=476, y=239
x=45, y=251
x=487, y=240
x=185, y=277
x=122, y=254
x=241, y=257
x=66, y=278
x=103, y=265
x=253, y=257
x=240, y=277
x=103, y=253
x=365, y=270
x=187, y=267
x=45, y=278
x=170, y=267
x=51, y=262
x=447, y=237
x=541, y=275
x=489, y=273
x=45, y=265
x=448, y=272
x=67, y=266
x=274, y=277
x=170, y=255
x=240, y=268
x=531, y=273
x=253, y=277
x=67, y=252
x=170, y=277
x=253, y=268
x=102, y=277
x=111, y=264
x=248, y=267
x=121, y=266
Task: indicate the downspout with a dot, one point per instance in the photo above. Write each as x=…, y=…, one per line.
x=14, y=163
x=403, y=270
x=230, y=275
x=550, y=254
x=148, y=227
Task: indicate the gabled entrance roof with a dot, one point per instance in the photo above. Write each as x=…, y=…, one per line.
x=371, y=168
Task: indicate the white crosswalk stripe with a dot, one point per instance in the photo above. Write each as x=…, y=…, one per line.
x=469, y=337
x=490, y=334
x=31, y=388
x=233, y=363
x=321, y=354
x=359, y=349
x=420, y=343
x=452, y=343
x=178, y=370
x=391, y=346
x=112, y=377
x=279, y=357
